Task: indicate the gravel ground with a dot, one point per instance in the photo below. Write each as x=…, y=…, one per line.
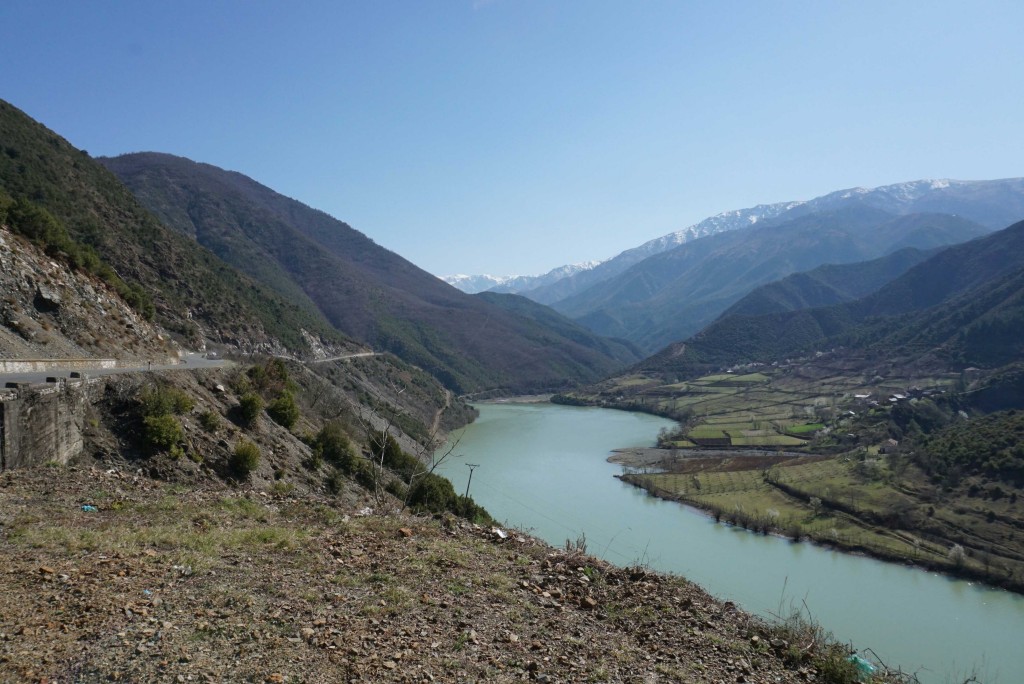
x=167, y=583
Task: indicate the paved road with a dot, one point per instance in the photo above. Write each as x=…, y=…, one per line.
x=189, y=362
x=357, y=355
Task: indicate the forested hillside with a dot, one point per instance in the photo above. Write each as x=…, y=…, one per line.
x=964, y=303
x=67, y=202
x=363, y=289
x=674, y=294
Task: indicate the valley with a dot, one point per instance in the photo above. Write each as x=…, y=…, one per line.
x=806, y=449
x=900, y=612
x=843, y=370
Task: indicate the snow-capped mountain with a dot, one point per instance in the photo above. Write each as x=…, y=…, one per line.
x=727, y=220
x=995, y=204
x=557, y=289
x=473, y=284
x=519, y=284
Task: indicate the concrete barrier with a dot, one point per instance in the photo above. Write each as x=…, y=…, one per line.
x=46, y=365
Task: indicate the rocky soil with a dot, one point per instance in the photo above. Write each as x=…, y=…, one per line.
x=51, y=313
x=110, y=576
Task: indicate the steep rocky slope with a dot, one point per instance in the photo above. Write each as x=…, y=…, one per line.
x=48, y=311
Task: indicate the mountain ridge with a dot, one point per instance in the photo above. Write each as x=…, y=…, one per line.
x=827, y=284
x=926, y=195
x=942, y=302
x=674, y=294
x=364, y=290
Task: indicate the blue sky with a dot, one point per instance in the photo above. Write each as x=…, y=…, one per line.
x=513, y=136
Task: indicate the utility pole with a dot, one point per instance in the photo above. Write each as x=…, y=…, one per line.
x=471, y=467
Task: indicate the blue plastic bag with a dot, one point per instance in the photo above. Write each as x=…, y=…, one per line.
x=865, y=668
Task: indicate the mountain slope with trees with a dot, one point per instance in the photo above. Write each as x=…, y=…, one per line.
x=363, y=289
x=965, y=299
x=674, y=294
x=89, y=216
x=826, y=285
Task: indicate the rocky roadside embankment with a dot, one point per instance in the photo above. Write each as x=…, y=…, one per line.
x=109, y=576
x=51, y=312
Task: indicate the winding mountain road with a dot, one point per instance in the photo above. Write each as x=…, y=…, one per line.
x=343, y=357
x=189, y=362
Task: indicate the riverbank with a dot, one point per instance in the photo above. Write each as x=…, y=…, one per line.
x=655, y=457
x=111, y=576
x=800, y=496
x=522, y=399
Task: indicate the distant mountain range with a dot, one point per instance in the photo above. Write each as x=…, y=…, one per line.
x=473, y=284
x=546, y=288
x=964, y=303
x=672, y=295
x=360, y=288
x=669, y=288
x=993, y=204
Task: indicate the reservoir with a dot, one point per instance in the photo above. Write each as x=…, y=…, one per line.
x=542, y=468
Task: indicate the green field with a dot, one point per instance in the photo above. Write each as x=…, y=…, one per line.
x=804, y=429
x=761, y=431
x=746, y=497
x=767, y=408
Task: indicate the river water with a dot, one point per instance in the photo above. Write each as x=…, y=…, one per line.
x=542, y=468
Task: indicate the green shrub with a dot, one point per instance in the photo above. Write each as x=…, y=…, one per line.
x=161, y=432
x=161, y=401
x=282, y=488
x=210, y=420
x=433, y=493
x=385, y=448
x=362, y=472
x=250, y=407
x=334, y=446
x=245, y=459
x=396, y=489
x=283, y=410
x=270, y=376
x=470, y=510
x=335, y=482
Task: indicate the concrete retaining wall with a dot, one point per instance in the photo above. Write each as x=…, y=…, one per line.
x=44, y=423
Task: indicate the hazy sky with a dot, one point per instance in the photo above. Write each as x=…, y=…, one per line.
x=513, y=136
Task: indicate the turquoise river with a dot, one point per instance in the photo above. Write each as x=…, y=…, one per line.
x=543, y=469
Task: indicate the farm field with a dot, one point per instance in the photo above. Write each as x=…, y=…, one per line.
x=803, y=452
x=767, y=407
x=851, y=504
